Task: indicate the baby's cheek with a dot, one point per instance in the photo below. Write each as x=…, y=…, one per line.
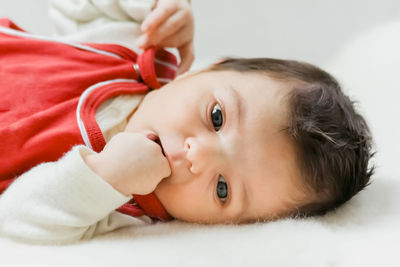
x=169, y=196
x=180, y=202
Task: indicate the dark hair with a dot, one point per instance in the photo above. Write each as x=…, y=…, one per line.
x=333, y=142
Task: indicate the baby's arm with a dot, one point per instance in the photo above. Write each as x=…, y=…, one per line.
x=66, y=201
x=100, y=21
x=59, y=202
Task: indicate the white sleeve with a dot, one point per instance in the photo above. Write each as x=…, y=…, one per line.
x=100, y=21
x=62, y=202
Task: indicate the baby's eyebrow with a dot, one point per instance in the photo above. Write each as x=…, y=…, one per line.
x=238, y=106
x=241, y=202
x=237, y=99
x=245, y=197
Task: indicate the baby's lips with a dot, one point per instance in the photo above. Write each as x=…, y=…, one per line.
x=153, y=137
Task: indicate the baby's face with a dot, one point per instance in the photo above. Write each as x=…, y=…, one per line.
x=222, y=133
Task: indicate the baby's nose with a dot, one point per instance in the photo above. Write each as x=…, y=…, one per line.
x=202, y=154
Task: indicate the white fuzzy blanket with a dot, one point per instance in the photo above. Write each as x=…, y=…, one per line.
x=364, y=232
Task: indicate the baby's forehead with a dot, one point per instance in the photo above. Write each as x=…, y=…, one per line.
x=269, y=169
x=268, y=84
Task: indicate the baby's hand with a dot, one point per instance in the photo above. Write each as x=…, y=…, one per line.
x=170, y=24
x=131, y=163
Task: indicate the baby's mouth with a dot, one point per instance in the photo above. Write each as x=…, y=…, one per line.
x=157, y=140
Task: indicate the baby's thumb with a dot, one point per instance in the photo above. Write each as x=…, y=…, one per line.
x=186, y=53
x=165, y=169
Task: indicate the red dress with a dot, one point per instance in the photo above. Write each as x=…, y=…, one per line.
x=50, y=91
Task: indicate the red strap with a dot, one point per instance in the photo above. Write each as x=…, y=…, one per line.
x=145, y=205
x=153, y=64
x=95, y=99
x=152, y=206
x=131, y=208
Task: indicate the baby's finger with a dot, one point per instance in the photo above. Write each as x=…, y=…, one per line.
x=170, y=28
x=165, y=170
x=142, y=41
x=178, y=39
x=186, y=53
x=158, y=16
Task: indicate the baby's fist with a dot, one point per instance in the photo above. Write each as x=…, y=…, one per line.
x=131, y=163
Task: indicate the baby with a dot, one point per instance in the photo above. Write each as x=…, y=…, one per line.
x=243, y=140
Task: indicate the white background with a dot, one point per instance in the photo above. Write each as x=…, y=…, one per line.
x=310, y=30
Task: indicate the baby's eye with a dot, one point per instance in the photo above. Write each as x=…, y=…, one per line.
x=222, y=189
x=216, y=117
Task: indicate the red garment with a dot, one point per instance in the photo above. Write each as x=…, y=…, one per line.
x=50, y=92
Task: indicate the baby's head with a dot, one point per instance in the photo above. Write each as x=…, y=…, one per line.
x=256, y=139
